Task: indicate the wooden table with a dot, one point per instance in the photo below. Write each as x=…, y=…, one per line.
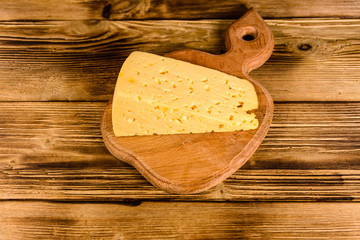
x=59, y=63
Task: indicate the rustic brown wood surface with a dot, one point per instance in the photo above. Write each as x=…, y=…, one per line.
x=54, y=150
x=172, y=220
x=80, y=61
x=163, y=9
x=178, y=163
x=58, y=181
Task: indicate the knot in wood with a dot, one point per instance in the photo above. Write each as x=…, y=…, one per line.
x=106, y=11
x=304, y=47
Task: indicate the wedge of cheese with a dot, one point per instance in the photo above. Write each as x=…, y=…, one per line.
x=159, y=95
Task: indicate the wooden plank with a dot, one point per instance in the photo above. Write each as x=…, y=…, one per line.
x=183, y=220
x=54, y=150
x=314, y=60
x=162, y=9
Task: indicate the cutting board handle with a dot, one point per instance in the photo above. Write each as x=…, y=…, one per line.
x=249, y=43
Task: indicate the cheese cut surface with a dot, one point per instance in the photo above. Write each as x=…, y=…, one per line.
x=159, y=95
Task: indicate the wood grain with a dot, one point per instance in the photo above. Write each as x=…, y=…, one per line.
x=313, y=60
x=54, y=151
x=169, y=220
x=161, y=9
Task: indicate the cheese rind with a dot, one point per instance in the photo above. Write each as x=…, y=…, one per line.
x=159, y=95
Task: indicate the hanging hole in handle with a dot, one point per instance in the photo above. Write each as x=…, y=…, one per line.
x=248, y=34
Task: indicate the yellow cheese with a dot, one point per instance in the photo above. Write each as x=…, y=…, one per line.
x=159, y=95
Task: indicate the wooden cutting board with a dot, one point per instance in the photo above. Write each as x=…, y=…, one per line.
x=192, y=163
